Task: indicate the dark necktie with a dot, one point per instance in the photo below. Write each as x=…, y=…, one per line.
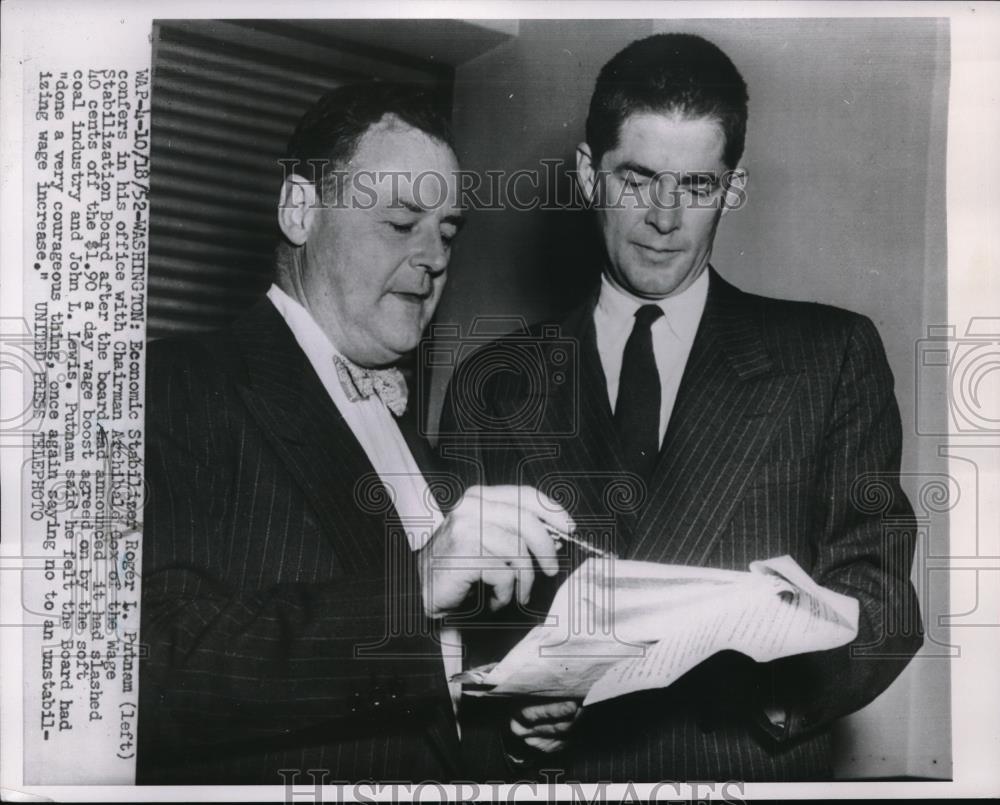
x=637, y=411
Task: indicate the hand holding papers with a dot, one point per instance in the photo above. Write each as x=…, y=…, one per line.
x=620, y=626
x=482, y=540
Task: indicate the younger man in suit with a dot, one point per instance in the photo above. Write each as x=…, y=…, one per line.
x=740, y=428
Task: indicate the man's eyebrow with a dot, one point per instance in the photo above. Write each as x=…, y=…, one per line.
x=409, y=205
x=634, y=167
x=699, y=176
x=456, y=218
x=685, y=177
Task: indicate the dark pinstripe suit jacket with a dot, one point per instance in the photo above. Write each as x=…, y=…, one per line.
x=784, y=438
x=281, y=611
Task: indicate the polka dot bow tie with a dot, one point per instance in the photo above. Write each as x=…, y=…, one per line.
x=360, y=383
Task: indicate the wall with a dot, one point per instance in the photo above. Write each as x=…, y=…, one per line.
x=846, y=163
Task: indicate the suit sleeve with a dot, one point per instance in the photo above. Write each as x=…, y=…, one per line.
x=864, y=549
x=228, y=662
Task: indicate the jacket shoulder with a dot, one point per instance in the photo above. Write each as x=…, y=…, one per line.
x=813, y=334
x=816, y=317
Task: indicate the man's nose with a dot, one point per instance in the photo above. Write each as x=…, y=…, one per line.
x=431, y=255
x=664, y=210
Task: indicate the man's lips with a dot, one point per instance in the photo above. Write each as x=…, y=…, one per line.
x=413, y=297
x=662, y=250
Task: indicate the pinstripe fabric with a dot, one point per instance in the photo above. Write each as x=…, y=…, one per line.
x=275, y=600
x=785, y=438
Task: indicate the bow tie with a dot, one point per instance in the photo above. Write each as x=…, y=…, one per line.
x=360, y=383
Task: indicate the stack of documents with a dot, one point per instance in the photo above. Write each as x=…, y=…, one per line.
x=620, y=626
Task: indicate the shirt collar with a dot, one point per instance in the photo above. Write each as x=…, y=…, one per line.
x=307, y=332
x=681, y=312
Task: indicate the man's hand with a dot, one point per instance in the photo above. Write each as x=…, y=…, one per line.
x=544, y=727
x=495, y=535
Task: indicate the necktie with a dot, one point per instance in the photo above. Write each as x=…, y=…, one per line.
x=359, y=383
x=637, y=411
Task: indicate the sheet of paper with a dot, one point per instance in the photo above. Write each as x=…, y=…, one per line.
x=619, y=626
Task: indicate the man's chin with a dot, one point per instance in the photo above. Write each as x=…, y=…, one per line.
x=655, y=287
x=396, y=348
x=658, y=281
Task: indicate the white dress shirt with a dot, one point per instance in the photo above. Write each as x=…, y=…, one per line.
x=673, y=334
x=375, y=428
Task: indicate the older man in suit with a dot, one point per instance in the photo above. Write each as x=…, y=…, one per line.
x=700, y=425
x=296, y=564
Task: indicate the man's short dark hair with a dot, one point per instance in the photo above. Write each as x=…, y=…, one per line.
x=670, y=74
x=331, y=128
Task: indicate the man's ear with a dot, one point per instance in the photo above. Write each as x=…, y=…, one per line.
x=735, y=195
x=586, y=173
x=296, y=208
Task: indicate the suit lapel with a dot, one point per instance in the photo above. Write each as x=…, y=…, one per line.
x=730, y=399
x=304, y=426
x=591, y=459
